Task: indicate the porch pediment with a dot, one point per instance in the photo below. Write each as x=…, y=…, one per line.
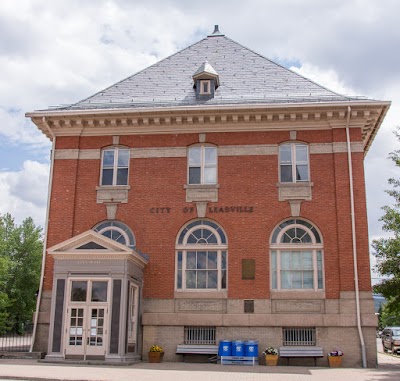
x=94, y=245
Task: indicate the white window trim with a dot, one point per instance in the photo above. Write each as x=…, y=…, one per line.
x=202, y=82
x=202, y=164
x=115, y=167
x=184, y=248
x=117, y=229
x=133, y=313
x=294, y=163
x=314, y=247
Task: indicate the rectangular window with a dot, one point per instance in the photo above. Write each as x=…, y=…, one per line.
x=115, y=166
x=201, y=270
x=294, y=163
x=293, y=336
x=296, y=270
x=205, y=87
x=179, y=271
x=78, y=291
x=200, y=335
x=202, y=165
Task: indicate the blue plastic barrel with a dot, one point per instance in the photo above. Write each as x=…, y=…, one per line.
x=251, y=348
x=237, y=348
x=225, y=348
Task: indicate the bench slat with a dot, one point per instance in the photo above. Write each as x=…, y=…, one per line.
x=196, y=349
x=301, y=352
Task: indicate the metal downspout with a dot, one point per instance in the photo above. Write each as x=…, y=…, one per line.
x=39, y=297
x=353, y=232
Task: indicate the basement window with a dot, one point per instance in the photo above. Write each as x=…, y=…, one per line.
x=293, y=336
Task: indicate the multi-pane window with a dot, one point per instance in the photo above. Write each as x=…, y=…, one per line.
x=201, y=261
x=115, y=166
x=293, y=162
x=296, y=257
x=202, y=165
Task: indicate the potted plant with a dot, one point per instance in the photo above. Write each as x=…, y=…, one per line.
x=156, y=354
x=335, y=358
x=271, y=356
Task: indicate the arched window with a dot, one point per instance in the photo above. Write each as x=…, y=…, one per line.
x=201, y=257
x=116, y=231
x=296, y=256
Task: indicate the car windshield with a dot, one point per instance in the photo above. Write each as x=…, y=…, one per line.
x=396, y=332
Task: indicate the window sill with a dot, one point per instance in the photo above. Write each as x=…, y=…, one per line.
x=295, y=191
x=201, y=192
x=201, y=294
x=112, y=193
x=297, y=294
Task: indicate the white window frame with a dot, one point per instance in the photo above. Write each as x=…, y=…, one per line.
x=203, y=82
x=294, y=163
x=203, y=164
x=185, y=247
x=115, y=168
x=133, y=306
x=314, y=247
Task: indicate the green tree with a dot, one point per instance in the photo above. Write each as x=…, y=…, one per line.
x=387, y=250
x=20, y=260
x=388, y=317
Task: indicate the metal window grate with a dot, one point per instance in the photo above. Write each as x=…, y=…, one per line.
x=299, y=336
x=200, y=335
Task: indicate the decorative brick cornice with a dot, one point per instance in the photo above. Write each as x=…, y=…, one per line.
x=366, y=116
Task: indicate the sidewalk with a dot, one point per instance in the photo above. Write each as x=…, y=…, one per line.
x=32, y=370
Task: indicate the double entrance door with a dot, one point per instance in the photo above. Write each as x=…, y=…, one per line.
x=86, y=320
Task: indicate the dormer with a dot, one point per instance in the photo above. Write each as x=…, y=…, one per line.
x=206, y=81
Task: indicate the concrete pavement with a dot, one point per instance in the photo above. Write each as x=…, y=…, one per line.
x=32, y=370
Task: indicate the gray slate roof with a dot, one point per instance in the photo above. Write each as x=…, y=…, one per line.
x=245, y=77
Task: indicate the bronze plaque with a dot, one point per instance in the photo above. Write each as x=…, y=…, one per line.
x=248, y=268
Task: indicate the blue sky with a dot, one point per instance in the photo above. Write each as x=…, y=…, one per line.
x=58, y=52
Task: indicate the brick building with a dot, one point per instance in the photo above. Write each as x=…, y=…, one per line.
x=214, y=195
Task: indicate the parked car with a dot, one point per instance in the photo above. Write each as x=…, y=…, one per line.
x=391, y=339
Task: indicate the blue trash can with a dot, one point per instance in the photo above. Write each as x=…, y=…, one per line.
x=251, y=348
x=225, y=348
x=237, y=348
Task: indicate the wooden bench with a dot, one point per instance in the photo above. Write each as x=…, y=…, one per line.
x=196, y=349
x=301, y=352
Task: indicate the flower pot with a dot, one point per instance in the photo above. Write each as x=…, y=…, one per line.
x=335, y=361
x=156, y=356
x=271, y=360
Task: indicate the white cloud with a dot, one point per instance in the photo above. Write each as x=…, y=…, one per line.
x=24, y=193
x=328, y=78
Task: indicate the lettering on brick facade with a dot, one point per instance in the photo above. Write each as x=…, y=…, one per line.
x=161, y=210
x=231, y=209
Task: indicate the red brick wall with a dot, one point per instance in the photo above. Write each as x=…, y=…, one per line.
x=244, y=181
